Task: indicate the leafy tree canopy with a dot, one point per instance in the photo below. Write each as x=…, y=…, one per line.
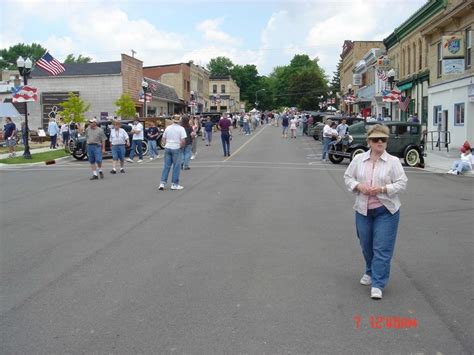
x=74, y=109
x=220, y=66
x=8, y=57
x=80, y=59
x=125, y=107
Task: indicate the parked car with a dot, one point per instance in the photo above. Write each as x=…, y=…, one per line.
x=405, y=141
x=317, y=129
x=77, y=146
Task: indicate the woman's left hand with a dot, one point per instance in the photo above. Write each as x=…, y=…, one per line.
x=375, y=190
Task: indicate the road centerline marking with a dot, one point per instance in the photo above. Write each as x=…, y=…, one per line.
x=243, y=145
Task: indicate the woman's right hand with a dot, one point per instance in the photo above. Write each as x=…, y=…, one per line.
x=364, y=188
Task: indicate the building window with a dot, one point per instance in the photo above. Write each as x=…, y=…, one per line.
x=223, y=89
x=468, y=50
x=436, y=115
x=420, y=54
x=214, y=89
x=459, y=114
x=427, y=48
x=440, y=59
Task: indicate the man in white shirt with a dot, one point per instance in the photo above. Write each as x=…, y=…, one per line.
x=174, y=138
x=137, y=130
x=328, y=133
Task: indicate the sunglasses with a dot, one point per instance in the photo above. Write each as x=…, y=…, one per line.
x=382, y=139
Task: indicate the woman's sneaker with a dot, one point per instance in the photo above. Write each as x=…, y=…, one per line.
x=176, y=187
x=161, y=187
x=366, y=280
x=376, y=293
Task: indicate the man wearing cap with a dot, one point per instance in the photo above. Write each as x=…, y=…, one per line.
x=174, y=139
x=137, y=130
x=95, y=139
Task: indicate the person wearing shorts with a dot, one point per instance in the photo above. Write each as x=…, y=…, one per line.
x=118, y=140
x=9, y=134
x=95, y=139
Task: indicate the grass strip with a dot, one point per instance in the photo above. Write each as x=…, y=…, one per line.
x=35, y=158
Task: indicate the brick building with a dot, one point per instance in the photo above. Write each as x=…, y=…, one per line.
x=98, y=84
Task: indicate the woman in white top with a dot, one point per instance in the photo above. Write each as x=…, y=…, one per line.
x=293, y=123
x=376, y=178
x=465, y=164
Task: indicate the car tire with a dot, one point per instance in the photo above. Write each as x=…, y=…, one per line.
x=144, y=148
x=411, y=157
x=78, y=156
x=159, y=143
x=316, y=137
x=335, y=159
x=357, y=151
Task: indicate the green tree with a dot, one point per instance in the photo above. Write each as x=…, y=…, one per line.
x=126, y=107
x=80, y=59
x=9, y=56
x=335, y=85
x=74, y=109
x=220, y=66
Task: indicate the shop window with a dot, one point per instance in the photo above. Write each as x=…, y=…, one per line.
x=436, y=115
x=214, y=89
x=440, y=59
x=459, y=114
x=468, y=40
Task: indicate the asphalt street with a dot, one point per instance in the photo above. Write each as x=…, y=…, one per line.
x=257, y=255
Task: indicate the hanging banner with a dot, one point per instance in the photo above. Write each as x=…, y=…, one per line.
x=453, y=46
x=25, y=94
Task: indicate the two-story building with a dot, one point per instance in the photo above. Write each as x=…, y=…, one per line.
x=224, y=94
x=451, y=89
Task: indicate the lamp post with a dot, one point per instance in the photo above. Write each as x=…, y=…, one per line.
x=145, y=90
x=24, y=67
x=391, y=80
x=256, y=97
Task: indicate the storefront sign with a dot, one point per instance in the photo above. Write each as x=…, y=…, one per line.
x=357, y=79
x=453, y=46
x=453, y=66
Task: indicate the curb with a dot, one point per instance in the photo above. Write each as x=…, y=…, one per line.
x=29, y=165
x=444, y=171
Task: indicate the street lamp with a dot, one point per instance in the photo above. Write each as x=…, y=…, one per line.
x=24, y=67
x=391, y=80
x=145, y=90
x=349, y=90
x=256, y=96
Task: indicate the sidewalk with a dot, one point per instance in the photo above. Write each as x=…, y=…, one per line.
x=32, y=151
x=442, y=161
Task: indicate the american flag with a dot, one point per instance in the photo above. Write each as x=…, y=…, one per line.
x=349, y=99
x=404, y=103
x=51, y=65
x=381, y=74
x=153, y=86
x=148, y=96
x=391, y=96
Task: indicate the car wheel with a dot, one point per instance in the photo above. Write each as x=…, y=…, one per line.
x=144, y=148
x=316, y=137
x=79, y=156
x=335, y=159
x=159, y=143
x=412, y=157
x=356, y=152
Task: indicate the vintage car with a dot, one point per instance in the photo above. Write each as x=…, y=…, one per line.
x=77, y=146
x=317, y=129
x=406, y=141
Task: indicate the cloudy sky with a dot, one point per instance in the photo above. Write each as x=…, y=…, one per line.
x=265, y=33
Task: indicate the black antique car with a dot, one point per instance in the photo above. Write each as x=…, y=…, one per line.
x=77, y=146
x=405, y=141
x=316, y=131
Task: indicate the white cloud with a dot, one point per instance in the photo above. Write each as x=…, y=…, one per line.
x=211, y=31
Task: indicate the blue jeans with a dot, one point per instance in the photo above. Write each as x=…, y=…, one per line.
x=136, y=143
x=377, y=233
x=186, y=155
x=461, y=166
x=225, y=138
x=247, y=128
x=326, y=142
x=284, y=130
x=172, y=158
x=152, y=150
x=118, y=152
x=209, y=136
x=94, y=153
x=53, y=141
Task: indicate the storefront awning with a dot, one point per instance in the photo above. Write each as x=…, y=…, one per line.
x=405, y=86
